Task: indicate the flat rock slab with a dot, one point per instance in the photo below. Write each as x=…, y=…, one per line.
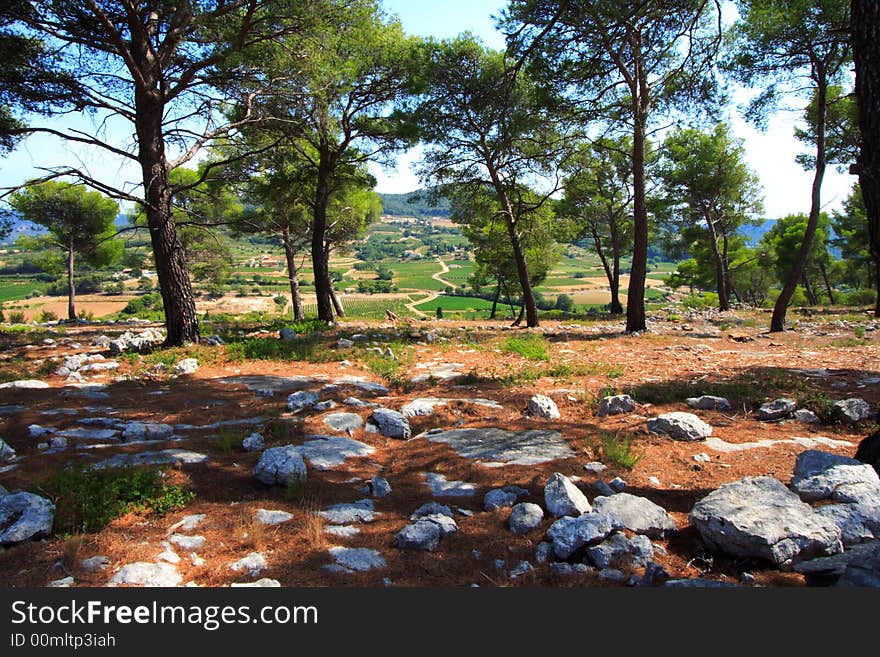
x=496, y=447
x=271, y=383
x=758, y=517
x=438, y=371
x=325, y=452
x=343, y=531
x=161, y=457
x=441, y=487
x=424, y=406
x=725, y=447
x=147, y=574
x=26, y=384
x=349, y=513
x=358, y=382
x=343, y=421
x=359, y=559
x=186, y=542
x=80, y=433
x=254, y=563
x=273, y=517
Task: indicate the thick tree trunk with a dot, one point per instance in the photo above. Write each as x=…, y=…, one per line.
x=181, y=321
x=635, y=304
x=71, y=287
x=295, y=296
x=321, y=267
x=522, y=270
x=865, y=34
x=777, y=321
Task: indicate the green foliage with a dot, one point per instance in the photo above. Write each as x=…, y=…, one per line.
x=47, y=316
x=295, y=489
x=619, y=450
x=88, y=500
x=144, y=306
x=16, y=317
x=531, y=347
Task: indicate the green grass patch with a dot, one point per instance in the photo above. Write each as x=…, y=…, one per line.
x=88, y=500
x=619, y=450
x=531, y=347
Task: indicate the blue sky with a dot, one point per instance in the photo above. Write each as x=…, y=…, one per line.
x=771, y=154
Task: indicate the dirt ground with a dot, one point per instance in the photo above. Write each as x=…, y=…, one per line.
x=825, y=358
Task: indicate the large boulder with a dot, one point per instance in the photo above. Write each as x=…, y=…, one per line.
x=563, y=498
x=637, y=514
x=616, y=405
x=680, y=426
x=25, y=516
x=543, y=407
x=863, y=569
x=852, y=410
x=280, y=465
x=391, y=424
x=186, y=366
x=525, y=517
x=858, y=523
x=758, y=517
x=568, y=535
x=776, y=410
x=820, y=475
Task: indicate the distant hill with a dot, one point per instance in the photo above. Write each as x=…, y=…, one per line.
x=409, y=205
x=18, y=227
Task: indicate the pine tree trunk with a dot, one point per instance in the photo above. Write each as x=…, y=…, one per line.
x=290, y=256
x=495, y=300
x=720, y=273
x=613, y=276
x=635, y=303
x=71, y=287
x=181, y=321
x=320, y=265
x=828, y=287
x=865, y=34
x=522, y=270
x=777, y=321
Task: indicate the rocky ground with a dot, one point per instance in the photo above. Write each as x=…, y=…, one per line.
x=702, y=452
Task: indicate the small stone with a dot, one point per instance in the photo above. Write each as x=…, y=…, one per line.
x=776, y=410
x=680, y=426
x=391, y=423
x=273, y=517
x=543, y=552
x=58, y=442
x=638, y=514
x=147, y=574
x=616, y=405
x=806, y=416
x=852, y=410
x=62, y=583
x=347, y=513
x=343, y=343
x=301, y=400
x=604, y=489
x=263, y=582
x=543, y=407
x=423, y=535
x=287, y=334
x=190, y=522
x=709, y=403
x=359, y=559
x=6, y=451
x=325, y=405
x=654, y=481
x=617, y=484
x=524, y=517
x=186, y=366
x=94, y=564
x=702, y=457
x=280, y=465
x=568, y=534
x=254, y=563
x=563, y=498
x=522, y=568
x=25, y=516
x=431, y=508
x=187, y=542
x=379, y=487
x=595, y=467
x=253, y=443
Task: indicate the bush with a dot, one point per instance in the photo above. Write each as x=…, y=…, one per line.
x=16, y=317
x=862, y=297
x=47, y=316
x=619, y=451
x=564, y=303
x=115, y=288
x=701, y=301
x=88, y=500
x=532, y=347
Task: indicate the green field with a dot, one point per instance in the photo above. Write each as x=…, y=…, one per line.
x=415, y=274
x=365, y=307
x=14, y=290
x=455, y=304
